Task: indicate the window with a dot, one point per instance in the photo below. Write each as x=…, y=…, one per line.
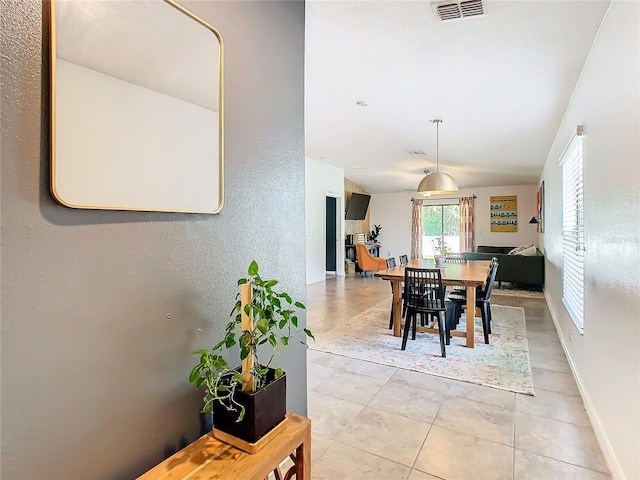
x=573, y=230
x=440, y=219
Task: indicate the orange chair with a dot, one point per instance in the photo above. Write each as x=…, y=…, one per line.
x=367, y=262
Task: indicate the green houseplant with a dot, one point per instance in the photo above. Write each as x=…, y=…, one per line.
x=238, y=396
x=375, y=233
x=441, y=248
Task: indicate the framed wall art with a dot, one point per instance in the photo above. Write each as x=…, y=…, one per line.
x=504, y=213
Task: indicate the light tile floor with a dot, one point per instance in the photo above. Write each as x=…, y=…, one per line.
x=381, y=423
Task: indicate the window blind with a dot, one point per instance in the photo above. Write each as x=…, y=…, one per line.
x=573, y=230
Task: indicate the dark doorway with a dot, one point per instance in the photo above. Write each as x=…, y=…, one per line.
x=331, y=234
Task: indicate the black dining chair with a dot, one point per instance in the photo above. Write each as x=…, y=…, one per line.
x=424, y=295
x=462, y=291
x=483, y=302
x=391, y=262
x=455, y=258
x=404, y=308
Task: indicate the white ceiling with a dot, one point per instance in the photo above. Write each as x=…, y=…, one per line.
x=146, y=42
x=500, y=83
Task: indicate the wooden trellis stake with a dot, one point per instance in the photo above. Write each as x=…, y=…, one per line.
x=246, y=298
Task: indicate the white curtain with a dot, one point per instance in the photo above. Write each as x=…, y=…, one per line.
x=466, y=224
x=416, y=228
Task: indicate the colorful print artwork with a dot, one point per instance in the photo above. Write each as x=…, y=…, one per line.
x=504, y=213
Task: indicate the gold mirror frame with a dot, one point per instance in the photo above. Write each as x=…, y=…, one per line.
x=186, y=182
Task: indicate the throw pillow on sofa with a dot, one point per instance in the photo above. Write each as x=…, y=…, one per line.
x=528, y=252
x=517, y=250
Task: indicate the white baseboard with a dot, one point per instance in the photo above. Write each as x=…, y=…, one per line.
x=601, y=437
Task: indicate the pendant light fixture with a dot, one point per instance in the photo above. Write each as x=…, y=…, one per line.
x=437, y=183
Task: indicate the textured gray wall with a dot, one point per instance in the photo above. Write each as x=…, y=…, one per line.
x=94, y=373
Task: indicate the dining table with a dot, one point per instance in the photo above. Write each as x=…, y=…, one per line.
x=469, y=274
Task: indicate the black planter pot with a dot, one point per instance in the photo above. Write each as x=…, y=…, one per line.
x=206, y=422
x=265, y=409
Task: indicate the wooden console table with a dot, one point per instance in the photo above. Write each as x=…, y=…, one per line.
x=210, y=458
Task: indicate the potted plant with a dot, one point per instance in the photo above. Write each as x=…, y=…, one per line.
x=441, y=248
x=249, y=400
x=375, y=233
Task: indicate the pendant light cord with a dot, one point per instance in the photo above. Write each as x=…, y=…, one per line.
x=437, y=146
x=437, y=121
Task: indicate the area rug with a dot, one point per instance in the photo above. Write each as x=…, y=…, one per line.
x=514, y=290
x=503, y=364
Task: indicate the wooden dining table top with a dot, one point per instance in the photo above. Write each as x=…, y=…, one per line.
x=471, y=272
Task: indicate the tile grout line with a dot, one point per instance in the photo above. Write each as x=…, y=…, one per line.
x=540, y=342
x=555, y=420
x=444, y=397
x=561, y=461
x=513, y=453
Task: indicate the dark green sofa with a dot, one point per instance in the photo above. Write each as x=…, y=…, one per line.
x=512, y=268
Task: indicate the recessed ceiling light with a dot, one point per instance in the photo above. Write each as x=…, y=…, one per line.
x=357, y=167
x=362, y=104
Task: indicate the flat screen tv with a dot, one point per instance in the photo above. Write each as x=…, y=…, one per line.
x=357, y=207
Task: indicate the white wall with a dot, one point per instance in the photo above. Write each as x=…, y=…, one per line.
x=526, y=233
x=322, y=180
x=393, y=212
x=125, y=146
x=606, y=358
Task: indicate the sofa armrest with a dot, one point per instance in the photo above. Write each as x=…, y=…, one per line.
x=382, y=263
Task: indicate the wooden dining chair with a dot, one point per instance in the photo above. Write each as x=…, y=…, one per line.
x=424, y=295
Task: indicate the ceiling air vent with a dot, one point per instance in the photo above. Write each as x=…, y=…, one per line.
x=457, y=10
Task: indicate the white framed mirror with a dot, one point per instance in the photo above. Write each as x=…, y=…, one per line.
x=136, y=107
